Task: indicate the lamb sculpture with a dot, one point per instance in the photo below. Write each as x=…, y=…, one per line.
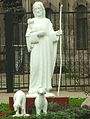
x=20, y=103
x=41, y=102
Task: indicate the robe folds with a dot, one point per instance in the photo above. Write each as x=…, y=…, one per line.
x=43, y=53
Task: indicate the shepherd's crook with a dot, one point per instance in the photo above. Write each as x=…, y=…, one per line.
x=60, y=49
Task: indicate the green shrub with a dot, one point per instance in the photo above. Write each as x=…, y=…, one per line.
x=4, y=107
x=5, y=111
x=67, y=114
x=55, y=111
x=76, y=101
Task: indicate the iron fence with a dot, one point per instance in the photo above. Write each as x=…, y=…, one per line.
x=14, y=58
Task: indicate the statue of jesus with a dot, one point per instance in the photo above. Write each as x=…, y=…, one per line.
x=41, y=40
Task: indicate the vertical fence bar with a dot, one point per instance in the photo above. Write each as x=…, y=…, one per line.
x=88, y=53
x=9, y=50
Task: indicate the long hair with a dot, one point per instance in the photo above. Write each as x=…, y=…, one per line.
x=41, y=5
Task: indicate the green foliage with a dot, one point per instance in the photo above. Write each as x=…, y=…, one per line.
x=76, y=101
x=72, y=75
x=5, y=111
x=53, y=106
x=74, y=113
x=55, y=111
x=4, y=107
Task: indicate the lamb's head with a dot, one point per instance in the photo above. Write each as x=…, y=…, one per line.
x=41, y=91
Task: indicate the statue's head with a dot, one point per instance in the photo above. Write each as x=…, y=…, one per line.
x=38, y=9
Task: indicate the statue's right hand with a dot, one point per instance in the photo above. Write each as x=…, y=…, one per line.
x=59, y=32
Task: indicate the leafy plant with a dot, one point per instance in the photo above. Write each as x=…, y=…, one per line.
x=76, y=101
x=4, y=107
x=55, y=111
x=5, y=111
x=72, y=75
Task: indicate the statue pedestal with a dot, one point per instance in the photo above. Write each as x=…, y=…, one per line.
x=34, y=95
x=30, y=101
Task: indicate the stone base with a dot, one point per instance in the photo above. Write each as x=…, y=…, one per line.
x=30, y=101
x=21, y=115
x=33, y=95
x=48, y=95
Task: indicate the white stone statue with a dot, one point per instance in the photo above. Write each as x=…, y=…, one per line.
x=41, y=40
x=19, y=103
x=41, y=102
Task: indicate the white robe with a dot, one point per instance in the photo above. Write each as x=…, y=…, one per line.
x=43, y=53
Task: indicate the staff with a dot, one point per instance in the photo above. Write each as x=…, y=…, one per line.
x=60, y=49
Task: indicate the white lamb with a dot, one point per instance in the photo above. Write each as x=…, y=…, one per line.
x=41, y=102
x=19, y=103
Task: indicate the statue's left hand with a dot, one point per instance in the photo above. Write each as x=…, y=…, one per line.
x=40, y=34
x=59, y=32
